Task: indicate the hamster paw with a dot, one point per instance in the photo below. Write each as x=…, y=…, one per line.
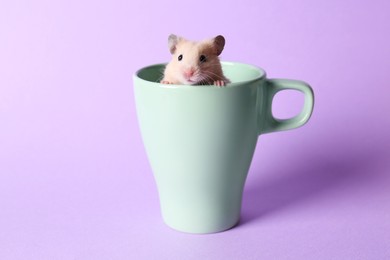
x=219, y=83
x=165, y=82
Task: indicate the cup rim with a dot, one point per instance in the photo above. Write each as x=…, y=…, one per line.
x=262, y=74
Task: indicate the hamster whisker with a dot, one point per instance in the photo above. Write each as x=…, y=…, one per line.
x=205, y=80
x=211, y=74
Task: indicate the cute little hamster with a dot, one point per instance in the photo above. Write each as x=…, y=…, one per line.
x=195, y=63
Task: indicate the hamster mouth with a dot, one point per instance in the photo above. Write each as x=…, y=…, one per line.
x=192, y=80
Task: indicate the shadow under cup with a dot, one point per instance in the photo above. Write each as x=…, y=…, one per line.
x=200, y=140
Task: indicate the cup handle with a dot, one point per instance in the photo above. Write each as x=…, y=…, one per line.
x=272, y=124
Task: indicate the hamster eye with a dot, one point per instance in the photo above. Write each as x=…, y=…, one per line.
x=180, y=57
x=202, y=58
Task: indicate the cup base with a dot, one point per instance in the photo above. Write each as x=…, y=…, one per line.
x=203, y=230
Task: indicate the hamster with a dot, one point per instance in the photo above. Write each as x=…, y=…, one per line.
x=195, y=63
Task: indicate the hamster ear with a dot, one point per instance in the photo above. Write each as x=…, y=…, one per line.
x=219, y=44
x=172, y=42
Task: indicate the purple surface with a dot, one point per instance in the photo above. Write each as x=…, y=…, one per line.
x=75, y=182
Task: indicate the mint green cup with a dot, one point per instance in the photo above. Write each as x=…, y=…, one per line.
x=200, y=140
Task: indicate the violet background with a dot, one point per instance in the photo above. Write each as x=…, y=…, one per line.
x=75, y=182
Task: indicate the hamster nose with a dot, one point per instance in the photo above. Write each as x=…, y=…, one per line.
x=189, y=73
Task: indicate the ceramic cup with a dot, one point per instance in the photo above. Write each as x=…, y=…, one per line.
x=200, y=140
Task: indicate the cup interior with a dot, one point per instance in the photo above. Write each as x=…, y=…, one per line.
x=236, y=72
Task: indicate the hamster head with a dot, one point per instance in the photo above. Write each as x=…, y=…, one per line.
x=195, y=63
